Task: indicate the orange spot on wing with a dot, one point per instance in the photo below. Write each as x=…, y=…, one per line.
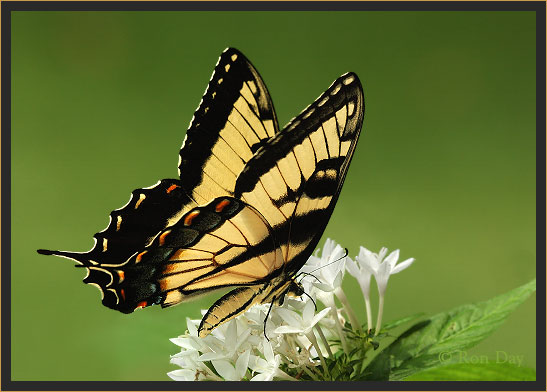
x=172, y=188
x=122, y=293
x=121, y=276
x=163, y=237
x=139, y=256
x=190, y=217
x=220, y=206
x=141, y=305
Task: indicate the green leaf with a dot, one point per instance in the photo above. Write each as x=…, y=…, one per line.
x=476, y=372
x=395, y=323
x=425, y=344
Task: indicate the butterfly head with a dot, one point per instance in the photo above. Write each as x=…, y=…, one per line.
x=294, y=289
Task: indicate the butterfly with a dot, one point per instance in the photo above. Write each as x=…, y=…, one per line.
x=250, y=205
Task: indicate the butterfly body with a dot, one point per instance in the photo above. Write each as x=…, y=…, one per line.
x=249, y=209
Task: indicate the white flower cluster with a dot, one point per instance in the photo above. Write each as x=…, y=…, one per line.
x=298, y=338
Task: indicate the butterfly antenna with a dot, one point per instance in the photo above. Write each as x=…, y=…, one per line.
x=78, y=257
x=332, y=262
x=312, y=300
x=307, y=273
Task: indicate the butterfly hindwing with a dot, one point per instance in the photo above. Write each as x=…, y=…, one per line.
x=133, y=226
x=236, y=116
x=224, y=243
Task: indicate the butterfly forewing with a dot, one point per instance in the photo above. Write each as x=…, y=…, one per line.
x=294, y=180
x=234, y=119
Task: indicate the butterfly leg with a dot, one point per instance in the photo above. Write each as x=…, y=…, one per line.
x=268, y=315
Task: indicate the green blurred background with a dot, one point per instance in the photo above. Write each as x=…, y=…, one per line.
x=444, y=170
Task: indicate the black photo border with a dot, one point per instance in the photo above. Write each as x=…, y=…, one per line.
x=7, y=7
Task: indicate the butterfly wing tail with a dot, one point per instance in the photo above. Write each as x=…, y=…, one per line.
x=81, y=258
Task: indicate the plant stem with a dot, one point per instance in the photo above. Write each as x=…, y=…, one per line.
x=313, y=340
x=324, y=339
x=380, y=312
x=301, y=345
x=369, y=312
x=310, y=373
x=349, y=311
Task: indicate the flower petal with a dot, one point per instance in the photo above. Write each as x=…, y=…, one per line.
x=402, y=265
x=319, y=316
x=182, y=375
x=382, y=254
x=225, y=369
x=392, y=258
x=352, y=267
x=307, y=313
x=242, y=364
x=367, y=259
x=262, y=377
x=268, y=350
x=323, y=286
x=289, y=316
x=288, y=329
x=338, y=279
x=184, y=342
x=191, y=327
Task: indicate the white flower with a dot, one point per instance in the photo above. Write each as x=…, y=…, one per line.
x=296, y=336
x=381, y=268
x=303, y=325
x=267, y=368
x=230, y=372
x=363, y=275
x=300, y=324
x=227, y=344
x=329, y=268
x=192, y=368
x=183, y=375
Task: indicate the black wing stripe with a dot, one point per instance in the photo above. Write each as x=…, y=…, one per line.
x=313, y=149
x=326, y=143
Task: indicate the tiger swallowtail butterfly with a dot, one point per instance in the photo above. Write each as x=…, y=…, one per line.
x=248, y=210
